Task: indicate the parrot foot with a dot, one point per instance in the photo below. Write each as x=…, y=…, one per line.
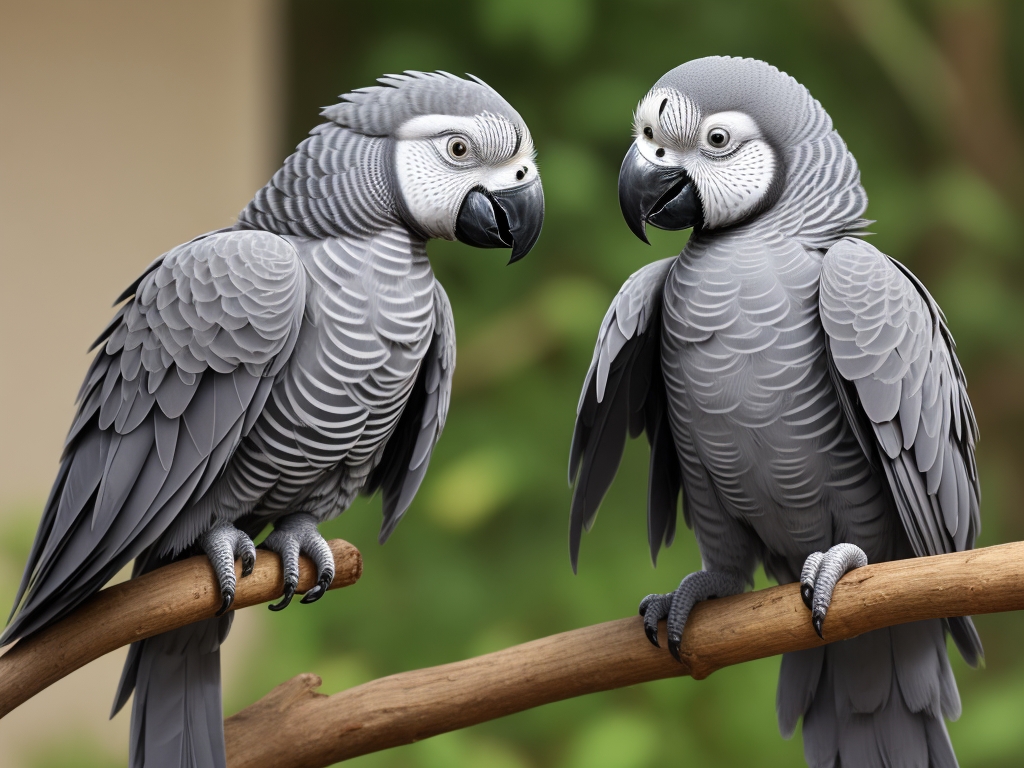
x=821, y=572
x=222, y=544
x=294, y=535
x=675, y=606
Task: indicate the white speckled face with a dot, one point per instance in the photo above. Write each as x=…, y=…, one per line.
x=439, y=159
x=725, y=154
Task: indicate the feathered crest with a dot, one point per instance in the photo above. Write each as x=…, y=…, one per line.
x=379, y=110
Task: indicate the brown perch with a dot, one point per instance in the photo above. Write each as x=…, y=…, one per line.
x=315, y=730
x=170, y=597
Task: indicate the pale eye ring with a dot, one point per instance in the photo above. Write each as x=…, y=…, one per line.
x=718, y=137
x=458, y=147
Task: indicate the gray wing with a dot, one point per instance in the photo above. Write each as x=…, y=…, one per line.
x=185, y=367
x=407, y=453
x=893, y=361
x=624, y=393
x=889, y=340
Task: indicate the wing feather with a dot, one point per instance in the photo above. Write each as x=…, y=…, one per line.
x=406, y=455
x=197, y=345
x=893, y=360
x=623, y=394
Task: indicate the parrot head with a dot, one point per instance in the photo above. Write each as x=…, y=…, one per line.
x=463, y=163
x=712, y=142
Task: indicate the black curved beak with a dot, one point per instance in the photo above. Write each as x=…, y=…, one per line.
x=662, y=196
x=509, y=218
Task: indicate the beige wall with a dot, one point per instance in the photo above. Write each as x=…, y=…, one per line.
x=126, y=128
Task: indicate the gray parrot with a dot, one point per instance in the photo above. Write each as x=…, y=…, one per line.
x=269, y=372
x=798, y=388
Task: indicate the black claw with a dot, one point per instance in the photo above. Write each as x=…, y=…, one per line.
x=652, y=633
x=229, y=598
x=807, y=593
x=248, y=563
x=673, y=648
x=817, y=619
x=317, y=591
x=289, y=593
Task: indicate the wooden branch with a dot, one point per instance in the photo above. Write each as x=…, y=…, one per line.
x=164, y=599
x=315, y=730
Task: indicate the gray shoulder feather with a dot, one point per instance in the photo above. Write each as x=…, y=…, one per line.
x=892, y=358
x=888, y=339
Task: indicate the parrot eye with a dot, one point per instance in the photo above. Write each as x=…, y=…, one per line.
x=457, y=147
x=718, y=137
x=648, y=132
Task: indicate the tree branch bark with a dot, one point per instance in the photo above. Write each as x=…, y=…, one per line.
x=318, y=730
x=164, y=599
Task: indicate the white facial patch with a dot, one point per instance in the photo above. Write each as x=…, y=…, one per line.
x=439, y=159
x=725, y=154
x=732, y=166
x=731, y=188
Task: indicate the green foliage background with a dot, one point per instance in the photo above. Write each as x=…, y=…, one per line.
x=928, y=95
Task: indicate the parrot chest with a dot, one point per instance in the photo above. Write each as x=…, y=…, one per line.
x=741, y=329
x=368, y=323
x=745, y=365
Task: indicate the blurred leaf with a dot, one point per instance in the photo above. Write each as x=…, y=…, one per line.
x=558, y=28
x=618, y=741
x=601, y=107
x=471, y=489
x=573, y=307
x=78, y=750
x=989, y=730
x=571, y=178
x=410, y=49
x=970, y=205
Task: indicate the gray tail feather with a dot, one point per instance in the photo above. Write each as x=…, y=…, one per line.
x=965, y=636
x=874, y=701
x=177, y=715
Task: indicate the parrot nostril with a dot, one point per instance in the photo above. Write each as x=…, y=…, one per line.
x=521, y=174
x=660, y=152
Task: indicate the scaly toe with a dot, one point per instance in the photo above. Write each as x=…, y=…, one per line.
x=808, y=577
x=839, y=560
x=651, y=630
x=293, y=536
x=222, y=543
x=645, y=603
x=248, y=558
x=653, y=608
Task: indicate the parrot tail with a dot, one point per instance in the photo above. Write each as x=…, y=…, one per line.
x=177, y=716
x=872, y=701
